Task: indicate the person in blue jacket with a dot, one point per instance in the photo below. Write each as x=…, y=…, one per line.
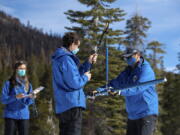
x=141, y=102
x=69, y=78
x=14, y=91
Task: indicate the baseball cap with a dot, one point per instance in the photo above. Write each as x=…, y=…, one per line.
x=130, y=51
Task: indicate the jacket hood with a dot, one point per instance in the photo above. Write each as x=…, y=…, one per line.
x=142, y=62
x=61, y=52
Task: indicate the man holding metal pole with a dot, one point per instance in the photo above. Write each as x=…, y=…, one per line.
x=69, y=78
x=142, y=101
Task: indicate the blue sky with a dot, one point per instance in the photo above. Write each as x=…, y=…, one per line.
x=49, y=15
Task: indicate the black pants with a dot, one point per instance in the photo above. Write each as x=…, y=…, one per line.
x=12, y=126
x=70, y=122
x=143, y=126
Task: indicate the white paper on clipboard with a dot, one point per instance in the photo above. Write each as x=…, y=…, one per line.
x=35, y=91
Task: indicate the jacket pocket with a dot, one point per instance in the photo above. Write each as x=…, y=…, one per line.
x=148, y=96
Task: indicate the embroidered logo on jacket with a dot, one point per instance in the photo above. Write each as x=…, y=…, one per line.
x=135, y=78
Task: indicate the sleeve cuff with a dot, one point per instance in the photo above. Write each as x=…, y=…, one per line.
x=85, y=78
x=88, y=64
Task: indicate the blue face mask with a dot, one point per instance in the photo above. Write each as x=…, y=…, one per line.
x=21, y=72
x=131, y=61
x=75, y=51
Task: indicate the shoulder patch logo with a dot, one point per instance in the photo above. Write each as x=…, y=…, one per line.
x=135, y=78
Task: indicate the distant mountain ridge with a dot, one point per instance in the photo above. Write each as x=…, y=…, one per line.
x=18, y=41
x=4, y=18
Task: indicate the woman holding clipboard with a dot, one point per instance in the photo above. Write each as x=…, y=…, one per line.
x=14, y=96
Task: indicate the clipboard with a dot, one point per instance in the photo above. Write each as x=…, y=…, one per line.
x=35, y=91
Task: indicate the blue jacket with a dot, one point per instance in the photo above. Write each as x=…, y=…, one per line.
x=15, y=108
x=140, y=101
x=68, y=80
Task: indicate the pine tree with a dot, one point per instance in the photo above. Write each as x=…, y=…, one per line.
x=156, y=49
x=171, y=95
x=136, y=28
x=91, y=23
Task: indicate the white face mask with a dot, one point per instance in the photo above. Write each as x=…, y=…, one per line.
x=21, y=72
x=75, y=51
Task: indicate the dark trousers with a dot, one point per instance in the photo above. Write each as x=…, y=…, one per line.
x=70, y=122
x=12, y=126
x=143, y=126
